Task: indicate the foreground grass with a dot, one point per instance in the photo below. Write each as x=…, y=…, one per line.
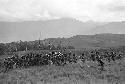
x=69, y=74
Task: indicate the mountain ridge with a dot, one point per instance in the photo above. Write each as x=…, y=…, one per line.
x=65, y=27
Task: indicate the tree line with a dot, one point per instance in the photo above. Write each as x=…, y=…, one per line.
x=6, y=48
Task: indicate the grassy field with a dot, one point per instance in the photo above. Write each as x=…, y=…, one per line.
x=78, y=73
x=72, y=73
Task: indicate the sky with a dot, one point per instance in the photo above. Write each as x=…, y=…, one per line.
x=83, y=10
x=31, y=15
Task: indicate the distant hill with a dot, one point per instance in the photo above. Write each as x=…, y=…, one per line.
x=89, y=41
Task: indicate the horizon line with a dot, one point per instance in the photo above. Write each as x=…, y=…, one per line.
x=65, y=37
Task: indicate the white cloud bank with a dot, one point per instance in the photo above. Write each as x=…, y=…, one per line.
x=97, y=10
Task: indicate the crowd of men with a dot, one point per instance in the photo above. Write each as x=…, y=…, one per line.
x=32, y=59
x=58, y=59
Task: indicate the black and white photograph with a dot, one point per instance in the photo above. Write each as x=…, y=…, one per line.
x=62, y=41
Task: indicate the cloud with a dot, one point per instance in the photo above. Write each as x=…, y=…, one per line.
x=118, y=9
x=98, y=10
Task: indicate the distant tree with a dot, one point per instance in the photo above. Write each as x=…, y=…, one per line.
x=59, y=47
x=70, y=47
x=2, y=48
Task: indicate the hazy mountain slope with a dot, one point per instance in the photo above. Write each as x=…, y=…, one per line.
x=112, y=27
x=29, y=30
